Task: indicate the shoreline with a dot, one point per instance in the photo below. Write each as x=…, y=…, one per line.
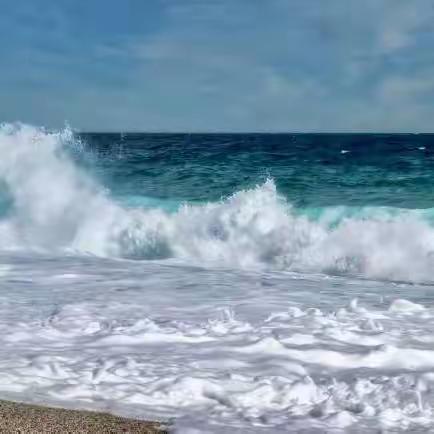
x=28, y=418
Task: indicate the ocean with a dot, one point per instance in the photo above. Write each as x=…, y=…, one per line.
x=222, y=282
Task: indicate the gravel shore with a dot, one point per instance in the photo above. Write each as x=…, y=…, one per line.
x=23, y=418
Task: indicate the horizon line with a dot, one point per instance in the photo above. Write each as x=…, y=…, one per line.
x=252, y=132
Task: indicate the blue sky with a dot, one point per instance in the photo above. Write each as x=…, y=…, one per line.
x=219, y=65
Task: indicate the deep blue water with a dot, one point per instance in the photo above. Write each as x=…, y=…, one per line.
x=310, y=170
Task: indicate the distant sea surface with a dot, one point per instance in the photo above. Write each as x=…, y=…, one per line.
x=227, y=282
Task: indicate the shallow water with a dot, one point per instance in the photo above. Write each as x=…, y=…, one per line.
x=246, y=314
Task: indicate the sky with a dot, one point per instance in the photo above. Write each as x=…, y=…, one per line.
x=219, y=65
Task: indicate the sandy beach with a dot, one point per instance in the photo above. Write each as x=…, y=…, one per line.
x=23, y=418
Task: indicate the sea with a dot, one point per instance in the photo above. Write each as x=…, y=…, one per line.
x=222, y=283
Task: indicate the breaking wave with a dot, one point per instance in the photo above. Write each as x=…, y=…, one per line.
x=49, y=203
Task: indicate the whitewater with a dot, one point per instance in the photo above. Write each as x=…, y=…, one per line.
x=245, y=313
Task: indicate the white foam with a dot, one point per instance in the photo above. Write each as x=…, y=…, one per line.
x=405, y=306
x=148, y=340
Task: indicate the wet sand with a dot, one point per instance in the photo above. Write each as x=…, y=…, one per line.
x=23, y=418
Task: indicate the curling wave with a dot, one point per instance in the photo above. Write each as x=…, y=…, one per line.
x=48, y=203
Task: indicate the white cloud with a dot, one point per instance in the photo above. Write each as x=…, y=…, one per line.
x=397, y=89
x=401, y=23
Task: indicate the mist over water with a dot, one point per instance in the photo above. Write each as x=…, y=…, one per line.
x=290, y=275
